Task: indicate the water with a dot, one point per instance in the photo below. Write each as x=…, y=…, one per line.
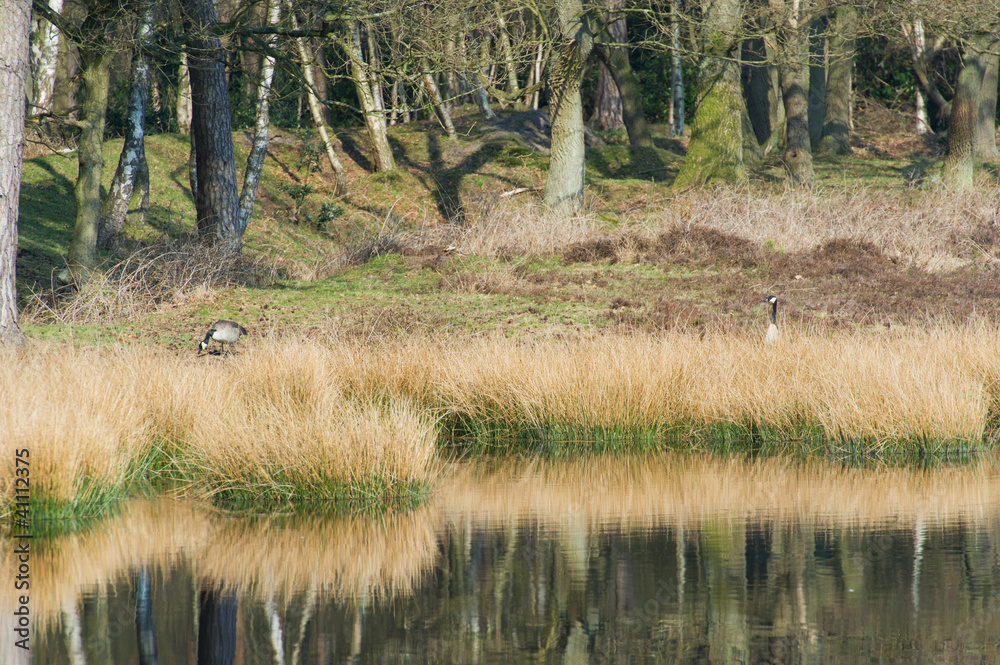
x=597, y=561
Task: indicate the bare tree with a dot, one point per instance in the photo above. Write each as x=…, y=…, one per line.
x=316, y=108
x=16, y=18
x=369, y=97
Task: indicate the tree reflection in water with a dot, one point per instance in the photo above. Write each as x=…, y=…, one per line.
x=599, y=560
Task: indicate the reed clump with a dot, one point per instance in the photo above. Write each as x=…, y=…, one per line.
x=916, y=389
x=258, y=428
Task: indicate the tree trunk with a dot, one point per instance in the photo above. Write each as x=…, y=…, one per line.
x=15, y=16
x=921, y=56
x=316, y=108
x=564, y=184
x=677, y=77
x=184, y=97
x=44, y=60
x=715, y=151
x=756, y=88
x=508, y=55
x=836, y=123
x=115, y=207
x=217, y=201
x=437, y=104
x=985, y=141
x=817, y=80
x=262, y=121
x=371, y=107
x=793, y=47
x=616, y=60
x=608, y=101
x=959, y=161
x=82, y=257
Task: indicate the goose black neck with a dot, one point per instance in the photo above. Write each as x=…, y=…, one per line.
x=774, y=312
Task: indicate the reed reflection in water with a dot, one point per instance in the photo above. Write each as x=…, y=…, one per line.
x=599, y=560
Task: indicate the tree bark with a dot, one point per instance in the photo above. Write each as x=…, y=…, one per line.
x=217, y=201
x=677, y=73
x=756, y=88
x=959, y=160
x=564, y=184
x=836, y=137
x=371, y=106
x=262, y=122
x=985, y=141
x=793, y=47
x=616, y=60
x=115, y=207
x=436, y=102
x=608, y=101
x=316, y=108
x=82, y=257
x=44, y=60
x=715, y=151
x=817, y=80
x=15, y=16
x=508, y=55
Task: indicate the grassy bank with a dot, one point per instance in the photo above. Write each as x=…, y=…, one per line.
x=298, y=422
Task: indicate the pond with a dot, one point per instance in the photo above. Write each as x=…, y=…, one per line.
x=599, y=560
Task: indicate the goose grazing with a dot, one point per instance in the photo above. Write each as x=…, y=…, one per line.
x=224, y=332
x=772, y=330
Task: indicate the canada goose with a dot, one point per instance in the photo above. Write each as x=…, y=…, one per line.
x=224, y=332
x=772, y=330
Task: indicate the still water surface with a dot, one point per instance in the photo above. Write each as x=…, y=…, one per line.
x=664, y=559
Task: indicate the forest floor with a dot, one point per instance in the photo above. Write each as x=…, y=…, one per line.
x=455, y=242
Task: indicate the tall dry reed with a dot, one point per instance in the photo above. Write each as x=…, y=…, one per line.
x=930, y=386
x=269, y=424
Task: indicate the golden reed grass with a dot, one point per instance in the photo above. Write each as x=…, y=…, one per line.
x=269, y=423
x=292, y=419
x=936, y=385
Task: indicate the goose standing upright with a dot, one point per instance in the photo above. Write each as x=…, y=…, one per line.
x=772, y=330
x=224, y=332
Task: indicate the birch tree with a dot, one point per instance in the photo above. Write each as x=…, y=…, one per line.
x=115, y=207
x=16, y=18
x=44, y=61
x=262, y=122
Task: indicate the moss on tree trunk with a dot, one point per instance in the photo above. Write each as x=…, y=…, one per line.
x=90, y=155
